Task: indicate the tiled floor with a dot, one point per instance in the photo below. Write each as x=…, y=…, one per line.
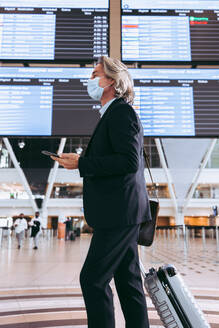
x=40, y=288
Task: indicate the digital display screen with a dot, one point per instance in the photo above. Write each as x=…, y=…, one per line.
x=53, y=30
x=170, y=31
x=177, y=102
x=42, y=101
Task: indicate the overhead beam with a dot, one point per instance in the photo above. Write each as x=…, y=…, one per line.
x=167, y=173
x=198, y=173
x=21, y=174
x=52, y=177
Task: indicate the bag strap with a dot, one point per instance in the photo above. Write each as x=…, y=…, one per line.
x=148, y=167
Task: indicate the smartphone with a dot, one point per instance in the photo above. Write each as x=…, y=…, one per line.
x=48, y=153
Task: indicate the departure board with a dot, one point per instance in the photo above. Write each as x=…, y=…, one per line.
x=43, y=101
x=177, y=102
x=40, y=101
x=54, y=31
x=170, y=31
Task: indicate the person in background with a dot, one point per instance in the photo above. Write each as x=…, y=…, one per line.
x=36, y=225
x=20, y=227
x=68, y=228
x=44, y=225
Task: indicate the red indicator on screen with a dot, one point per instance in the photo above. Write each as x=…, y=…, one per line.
x=198, y=23
x=130, y=26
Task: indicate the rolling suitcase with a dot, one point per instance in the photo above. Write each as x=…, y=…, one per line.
x=173, y=301
x=78, y=232
x=72, y=236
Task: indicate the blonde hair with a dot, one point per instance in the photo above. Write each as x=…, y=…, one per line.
x=116, y=70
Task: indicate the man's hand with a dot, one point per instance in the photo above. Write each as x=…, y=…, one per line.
x=68, y=161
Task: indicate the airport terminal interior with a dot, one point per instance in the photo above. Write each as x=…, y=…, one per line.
x=40, y=288
x=47, y=55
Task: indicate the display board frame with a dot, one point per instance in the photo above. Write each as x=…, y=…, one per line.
x=139, y=63
x=92, y=118
x=82, y=62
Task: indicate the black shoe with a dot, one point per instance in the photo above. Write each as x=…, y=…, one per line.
x=35, y=247
x=19, y=246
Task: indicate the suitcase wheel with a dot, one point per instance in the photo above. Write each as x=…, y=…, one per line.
x=151, y=272
x=171, y=271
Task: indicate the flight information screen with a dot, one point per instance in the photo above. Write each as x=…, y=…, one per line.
x=177, y=102
x=170, y=31
x=42, y=101
x=53, y=30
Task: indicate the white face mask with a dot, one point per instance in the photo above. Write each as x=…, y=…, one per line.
x=94, y=90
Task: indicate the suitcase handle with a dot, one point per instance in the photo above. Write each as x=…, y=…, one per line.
x=143, y=272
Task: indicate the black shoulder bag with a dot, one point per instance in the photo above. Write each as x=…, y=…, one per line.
x=147, y=229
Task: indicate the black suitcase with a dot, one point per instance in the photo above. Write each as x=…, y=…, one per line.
x=78, y=232
x=173, y=301
x=72, y=236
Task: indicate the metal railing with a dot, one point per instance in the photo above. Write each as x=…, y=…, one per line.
x=188, y=232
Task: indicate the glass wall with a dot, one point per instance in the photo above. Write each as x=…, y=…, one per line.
x=207, y=191
x=67, y=191
x=5, y=160
x=151, y=151
x=213, y=162
x=12, y=191
x=161, y=190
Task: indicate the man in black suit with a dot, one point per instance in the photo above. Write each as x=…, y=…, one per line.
x=115, y=200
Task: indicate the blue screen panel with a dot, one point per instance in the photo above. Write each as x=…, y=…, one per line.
x=177, y=102
x=26, y=110
x=43, y=101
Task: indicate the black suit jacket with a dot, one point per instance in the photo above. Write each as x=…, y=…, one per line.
x=114, y=188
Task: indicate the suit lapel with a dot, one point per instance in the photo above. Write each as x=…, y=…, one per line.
x=98, y=125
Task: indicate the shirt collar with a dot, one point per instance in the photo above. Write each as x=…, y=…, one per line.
x=104, y=108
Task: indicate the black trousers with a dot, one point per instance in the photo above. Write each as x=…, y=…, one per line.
x=114, y=254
